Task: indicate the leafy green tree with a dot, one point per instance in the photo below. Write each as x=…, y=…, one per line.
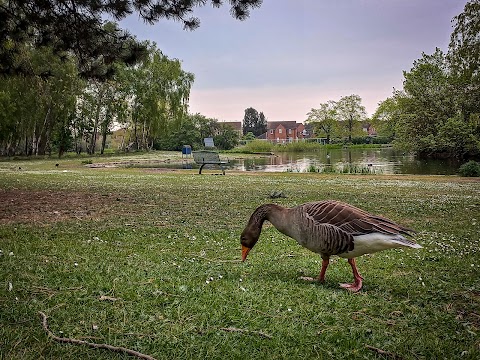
x=438, y=110
x=425, y=104
x=386, y=117
x=254, y=122
x=351, y=113
x=77, y=27
x=434, y=115
x=45, y=104
x=457, y=137
x=261, y=126
x=62, y=138
x=227, y=137
x=207, y=127
x=464, y=59
x=192, y=130
x=183, y=133
x=249, y=136
x=324, y=119
x=10, y=132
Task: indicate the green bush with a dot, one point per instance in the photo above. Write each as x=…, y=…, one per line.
x=470, y=169
x=258, y=146
x=298, y=146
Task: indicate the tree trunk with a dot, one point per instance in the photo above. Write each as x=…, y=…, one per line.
x=350, y=129
x=104, y=134
x=144, y=136
x=135, y=139
x=40, y=141
x=122, y=145
x=93, y=141
x=26, y=145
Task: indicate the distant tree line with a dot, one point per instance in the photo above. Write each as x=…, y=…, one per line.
x=61, y=112
x=68, y=77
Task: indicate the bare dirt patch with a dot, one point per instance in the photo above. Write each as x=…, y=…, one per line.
x=25, y=206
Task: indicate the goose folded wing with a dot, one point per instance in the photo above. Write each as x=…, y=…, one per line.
x=352, y=219
x=333, y=212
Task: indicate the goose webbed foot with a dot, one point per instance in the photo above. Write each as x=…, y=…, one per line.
x=355, y=287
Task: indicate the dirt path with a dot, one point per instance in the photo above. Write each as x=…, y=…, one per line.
x=22, y=206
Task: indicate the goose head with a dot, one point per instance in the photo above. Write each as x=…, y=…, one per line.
x=251, y=233
x=248, y=239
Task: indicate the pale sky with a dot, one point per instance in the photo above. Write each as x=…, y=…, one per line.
x=292, y=55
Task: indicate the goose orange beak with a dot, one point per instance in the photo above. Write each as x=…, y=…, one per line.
x=245, y=251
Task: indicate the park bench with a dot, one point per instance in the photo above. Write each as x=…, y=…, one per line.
x=205, y=157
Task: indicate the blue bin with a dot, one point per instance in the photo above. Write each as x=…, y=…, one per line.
x=186, y=150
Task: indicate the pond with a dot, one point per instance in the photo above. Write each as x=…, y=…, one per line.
x=378, y=161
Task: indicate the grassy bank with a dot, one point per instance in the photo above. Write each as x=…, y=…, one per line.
x=149, y=260
x=261, y=146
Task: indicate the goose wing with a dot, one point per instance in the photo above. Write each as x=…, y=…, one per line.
x=351, y=219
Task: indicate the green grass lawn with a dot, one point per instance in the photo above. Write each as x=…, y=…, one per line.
x=149, y=260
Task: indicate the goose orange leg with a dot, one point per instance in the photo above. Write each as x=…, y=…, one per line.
x=321, y=276
x=357, y=284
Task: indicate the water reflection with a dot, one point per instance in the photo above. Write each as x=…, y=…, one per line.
x=384, y=161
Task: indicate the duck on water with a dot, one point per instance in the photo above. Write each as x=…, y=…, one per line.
x=330, y=228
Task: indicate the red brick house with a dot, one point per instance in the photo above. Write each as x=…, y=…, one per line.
x=369, y=129
x=285, y=131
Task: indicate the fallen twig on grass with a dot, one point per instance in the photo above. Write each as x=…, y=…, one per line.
x=232, y=329
x=93, y=345
x=383, y=352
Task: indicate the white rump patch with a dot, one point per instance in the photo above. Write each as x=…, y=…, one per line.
x=374, y=242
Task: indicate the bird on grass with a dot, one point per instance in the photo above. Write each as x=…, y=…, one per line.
x=329, y=228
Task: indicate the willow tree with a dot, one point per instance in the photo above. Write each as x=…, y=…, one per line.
x=41, y=106
x=96, y=110
x=157, y=90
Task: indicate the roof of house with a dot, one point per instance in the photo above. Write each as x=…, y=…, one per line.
x=236, y=125
x=262, y=136
x=285, y=124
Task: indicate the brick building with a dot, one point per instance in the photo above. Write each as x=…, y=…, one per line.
x=285, y=131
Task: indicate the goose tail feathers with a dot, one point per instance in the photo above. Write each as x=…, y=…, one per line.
x=406, y=242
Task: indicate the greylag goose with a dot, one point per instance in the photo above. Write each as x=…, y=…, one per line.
x=329, y=228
